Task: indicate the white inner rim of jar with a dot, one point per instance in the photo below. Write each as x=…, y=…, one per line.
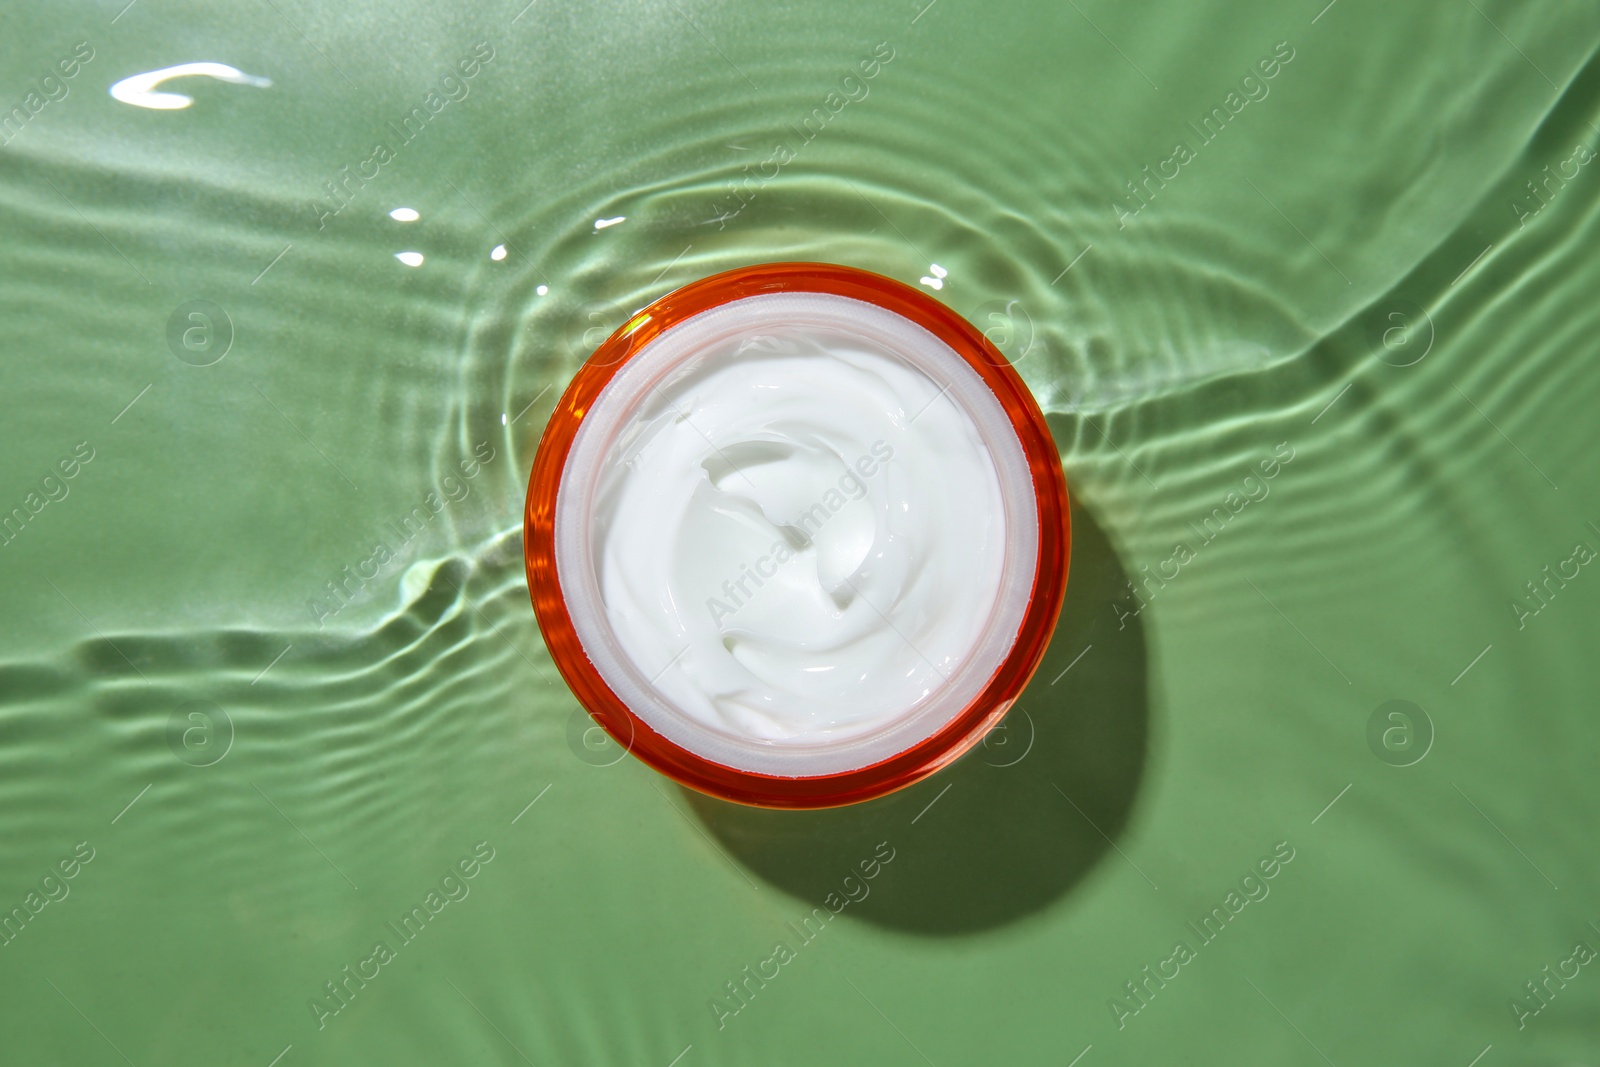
x=666, y=359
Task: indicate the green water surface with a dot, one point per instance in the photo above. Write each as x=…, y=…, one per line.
x=1307, y=290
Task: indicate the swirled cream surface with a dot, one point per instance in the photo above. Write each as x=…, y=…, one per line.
x=793, y=531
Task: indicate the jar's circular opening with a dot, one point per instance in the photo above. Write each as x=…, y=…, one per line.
x=1000, y=609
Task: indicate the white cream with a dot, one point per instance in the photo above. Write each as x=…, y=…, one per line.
x=796, y=534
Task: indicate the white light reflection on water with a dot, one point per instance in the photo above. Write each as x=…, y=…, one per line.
x=139, y=90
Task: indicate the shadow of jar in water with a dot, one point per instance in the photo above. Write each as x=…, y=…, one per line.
x=1018, y=821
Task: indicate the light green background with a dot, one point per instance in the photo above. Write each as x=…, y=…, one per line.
x=1357, y=216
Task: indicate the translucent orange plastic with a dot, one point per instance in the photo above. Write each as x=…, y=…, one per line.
x=913, y=764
